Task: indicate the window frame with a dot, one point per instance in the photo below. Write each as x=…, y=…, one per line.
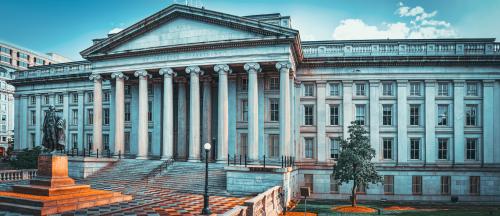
x=469, y=151
x=415, y=151
x=308, y=116
x=446, y=115
x=335, y=148
x=414, y=117
x=334, y=116
x=361, y=119
x=387, y=115
x=274, y=110
x=471, y=115
x=387, y=89
x=417, y=185
x=415, y=89
x=360, y=88
x=387, y=151
x=445, y=185
x=443, y=151
x=388, y=184
x=442, y=91
x=309, y=142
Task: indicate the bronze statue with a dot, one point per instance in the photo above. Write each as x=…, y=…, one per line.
x=53, y=130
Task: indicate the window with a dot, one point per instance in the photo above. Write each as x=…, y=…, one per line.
x=106, y=116
x=127, y=90
x=126, y=143
x=106, y=96
x=360, y=114
x=242, y=147
x=6, y=59
x=243, y=84
x=90, y=97
x=474, y=186
x=334, y=185
x=89, y=141
x=471, y=151
x=308, y=114
x=39, y=61
x=334, y=148
x=360, y=89
x=472, y=89
x=443, y=114
x=334, y=89
x=443, y=148
x=415, y=148
x=309, y=90
x=445, y=185
x=443, y=89
x=274, y=146
x=309, y=148
x=75, y=97
x=334, y=114
x=60, y=99
x=105, y=141
x=275, y=109
x=46, y=99
x=274, y=83
x=387, y=148
x=387, y=89
x=22, y=64
x=416, y=185
x=90, y=116
x=244, y=110
x=415, y=89
x=150, y=143
x=6, y=50
x=23, y=55
x=389, y=184
x=33, y=117
x=74, y=117
x=32, y=140
x=33, y=100
x=127, y=112
x=150, y=111
x=74, y=140
x=387, y=114
x=308, y=181
x=471, y=115
x=414, y=114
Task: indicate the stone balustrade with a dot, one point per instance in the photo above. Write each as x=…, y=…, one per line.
x=15, y=175
x=268, y=203
x=72, y=68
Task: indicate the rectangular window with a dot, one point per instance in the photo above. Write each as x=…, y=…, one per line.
x=443, y=148
x=274, y=146
x=244, y=110
x=106, y=96
x=274, y=108
x=6, y=50
x=334, y=185
x=90, y=116
x=415, y=148
x=75, y=97
x=242, y=147
x=150, y=111
x=74, y=117
x=416, y=185
x=474, y=186
x=308, y=181
x=60, y=99
x=89, y=141
x=150, y=142
x=472, y=89
x=387, y=148
x=22, y=55
x=32, y=140
x=387, y=89
x=308, y=114
x=471, y=115
x=126, y=143
x=471, y=151
x=74, y=140
x=334, y=114
x=127, y=89
x=244, y=84
x=33, y=117
x=414, y=114
x=309, y=90
x=105, y=141
x=334, y=148
x=389, y=184
x=309, y=148
x=445, y=185
x=33, y=100
x=334, y=89
x=127, y=112
x=360, y=89
x=90, y=97
x=415, y=89
x=106, y=116
x=46, y=99
x=387, y=114
x=360, y=114
x=274, y=83
x=443, y=89
x=443, y=114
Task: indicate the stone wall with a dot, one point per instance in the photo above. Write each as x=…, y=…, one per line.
x=82, y=167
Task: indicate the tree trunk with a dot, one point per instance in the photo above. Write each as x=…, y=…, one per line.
x=353, y=200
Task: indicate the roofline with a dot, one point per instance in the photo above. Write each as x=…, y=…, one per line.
x=13, y=45
x=40, y=67
x=399, y=40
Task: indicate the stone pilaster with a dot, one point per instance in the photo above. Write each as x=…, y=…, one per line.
x=402, y=124
x=374, y=118
x=142, y=131
x=323, y=150
x=430, y=121
x=347, y=107
x=38, y=123
x=168, y=113
x=119, y=112
x=222, y=112
x=488, y=130
x=194, y=113
x=458, y=120
x=97, y=113
x=253, y=110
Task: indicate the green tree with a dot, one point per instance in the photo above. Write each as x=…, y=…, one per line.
x=26, y=159
x=354, y=163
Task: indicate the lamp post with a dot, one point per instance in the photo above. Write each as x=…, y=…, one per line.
x=206, y=209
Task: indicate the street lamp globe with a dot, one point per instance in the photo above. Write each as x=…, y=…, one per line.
x=207, y=146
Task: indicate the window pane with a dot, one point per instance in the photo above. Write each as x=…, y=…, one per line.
x=443, y=148
x=417, y=185
x=334, y=115
x=415, y=148
x=388, y=184
x=442, y=114
x=360, y=114
x=387, y=148
x=387, y=114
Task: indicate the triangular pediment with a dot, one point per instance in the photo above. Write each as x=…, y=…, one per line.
x=182, y=31
x=180, y=25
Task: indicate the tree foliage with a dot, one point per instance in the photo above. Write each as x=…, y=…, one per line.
x=26, y=159
x=354, y=163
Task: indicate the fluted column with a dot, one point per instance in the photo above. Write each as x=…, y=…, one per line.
x=168, y=113
x=142, y=131
x=119, y=112
x=253, y=110
x=284, y=111
x=222, y=112
x=194, y=113
x=97, y=137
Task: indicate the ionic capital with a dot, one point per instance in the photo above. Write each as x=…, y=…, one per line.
x=284, y=66
x=167, y=72
x=119, y=75
x=142, y=73
x=95, y=77
x=252, y=67
x=222, y=69
x=194, y=70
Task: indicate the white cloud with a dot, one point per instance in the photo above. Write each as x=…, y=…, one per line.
x=421, y=25
x=115, y=30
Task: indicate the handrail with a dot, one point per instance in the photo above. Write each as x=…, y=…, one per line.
x=16, y=175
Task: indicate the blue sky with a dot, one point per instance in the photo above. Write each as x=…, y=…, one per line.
x=68, y=26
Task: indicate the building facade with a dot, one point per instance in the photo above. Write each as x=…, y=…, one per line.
x=185, y=76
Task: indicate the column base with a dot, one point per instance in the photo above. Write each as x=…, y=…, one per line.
x=221, y=161
x=194, y=160
x=166, y=157
x=141, y=157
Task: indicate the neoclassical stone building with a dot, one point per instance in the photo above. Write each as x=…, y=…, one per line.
x=185, y=76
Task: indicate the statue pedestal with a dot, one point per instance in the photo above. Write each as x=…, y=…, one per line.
x=52, y=191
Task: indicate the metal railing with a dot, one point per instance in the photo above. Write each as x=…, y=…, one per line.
x=158, y=170
x=242, y=160
x=16, y=175
x=76, y=152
